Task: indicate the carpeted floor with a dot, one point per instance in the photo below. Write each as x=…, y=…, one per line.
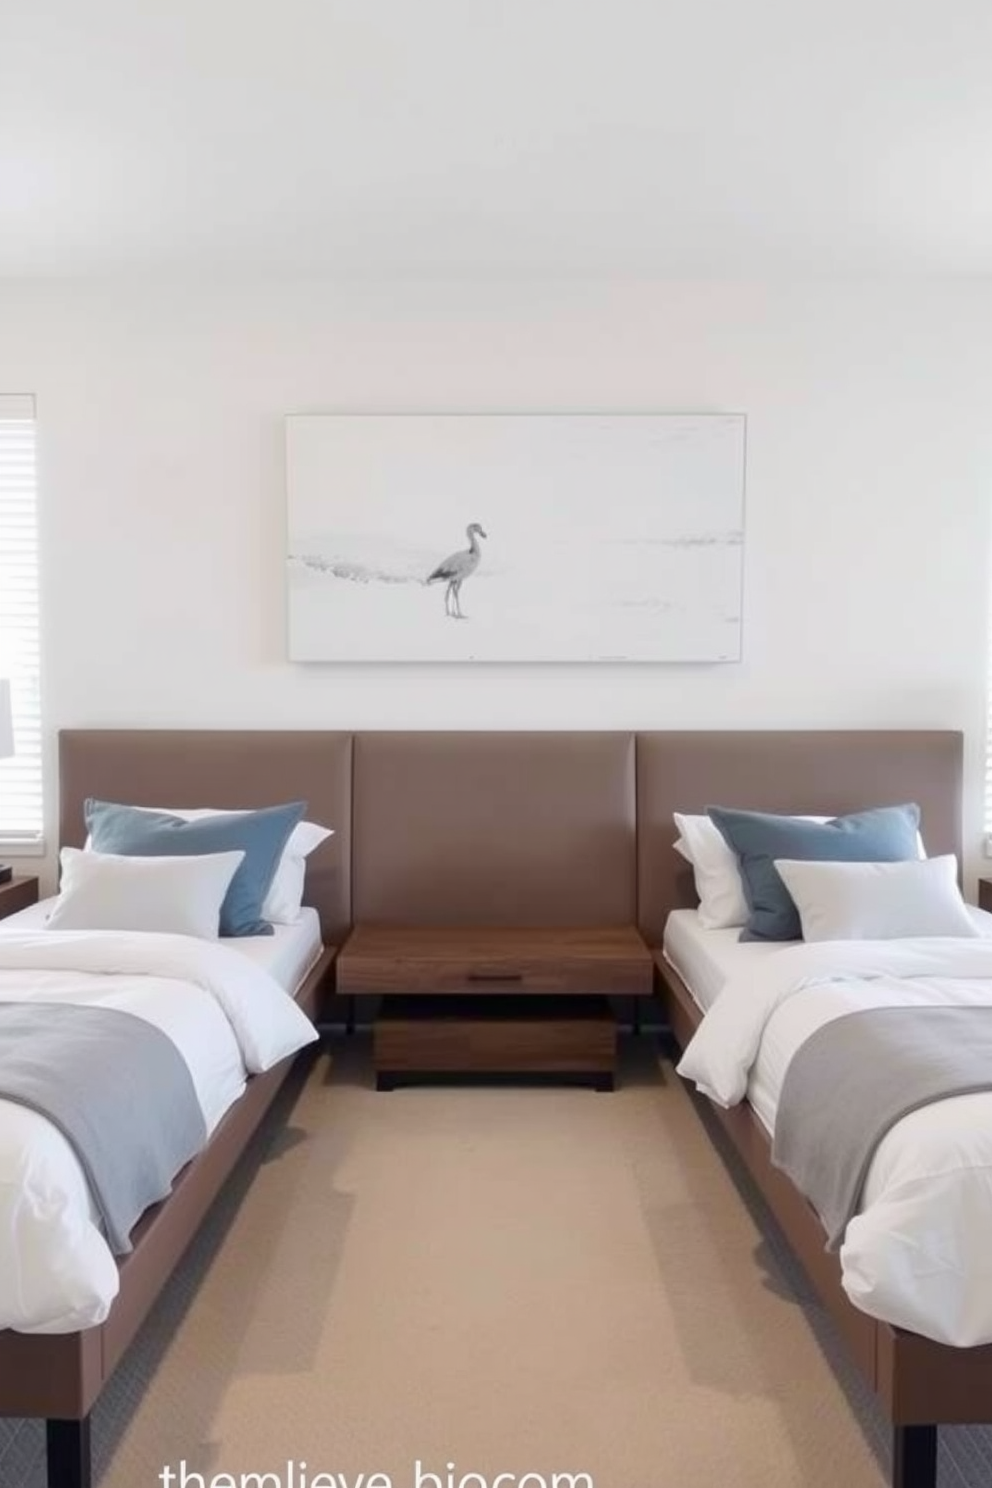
x=488, y=1280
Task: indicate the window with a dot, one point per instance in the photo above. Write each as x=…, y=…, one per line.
x=21, y=806
x=987, y=798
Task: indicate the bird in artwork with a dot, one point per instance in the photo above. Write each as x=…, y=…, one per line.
x=455, y=569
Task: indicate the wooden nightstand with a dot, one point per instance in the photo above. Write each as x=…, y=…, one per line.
x=463, y=1000
x=985, y=893
x=17, y=893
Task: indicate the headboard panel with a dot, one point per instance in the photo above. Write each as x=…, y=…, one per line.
x=235, y=769
x=810, y=772
x=495, y=827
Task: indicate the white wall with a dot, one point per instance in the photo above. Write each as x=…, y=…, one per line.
x=868, y=491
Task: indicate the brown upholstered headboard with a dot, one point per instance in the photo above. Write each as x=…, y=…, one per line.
x=236, y=769
x=511, y=826
x=816, y=772
x=495, y=827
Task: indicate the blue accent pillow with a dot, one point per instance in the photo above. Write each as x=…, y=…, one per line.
x=260, y=835
x=886, y=834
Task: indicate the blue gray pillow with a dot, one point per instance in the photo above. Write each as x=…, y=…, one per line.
x=260, y=835
x=886, y=834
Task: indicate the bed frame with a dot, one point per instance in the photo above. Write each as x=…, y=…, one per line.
x=60, y=1376
x=921, y=1384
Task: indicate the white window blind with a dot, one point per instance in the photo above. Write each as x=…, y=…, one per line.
x=21, y=806
x=988, y=749
x=988, y=734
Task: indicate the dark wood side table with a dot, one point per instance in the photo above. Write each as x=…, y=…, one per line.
x=463, y=1000
x=985, y=893
x=17, y=893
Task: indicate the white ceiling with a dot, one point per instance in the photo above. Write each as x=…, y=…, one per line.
x=593, y=138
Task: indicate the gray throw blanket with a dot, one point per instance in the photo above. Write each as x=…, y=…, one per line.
x=854, y=1078
x=117, y=1088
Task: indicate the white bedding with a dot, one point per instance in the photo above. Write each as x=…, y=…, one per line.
x=287, y=954
x=918, y=1254
x=228, y=1018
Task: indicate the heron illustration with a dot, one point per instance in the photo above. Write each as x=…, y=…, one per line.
x=455, y=569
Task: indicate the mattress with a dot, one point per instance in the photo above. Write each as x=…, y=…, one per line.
x=706, y=959
x=287, y=955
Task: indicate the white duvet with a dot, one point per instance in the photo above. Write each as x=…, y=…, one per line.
x=227, y=1017
x=919, y=1252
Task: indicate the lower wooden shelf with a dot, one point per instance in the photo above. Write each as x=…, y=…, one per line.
x=573, y=1038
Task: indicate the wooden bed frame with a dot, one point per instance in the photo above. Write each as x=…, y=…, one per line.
x=920, y=1383
x=60, y=1376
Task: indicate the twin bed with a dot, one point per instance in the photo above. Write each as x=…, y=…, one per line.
x=910, y=1286
x=909, y=1289
x=69, y=1317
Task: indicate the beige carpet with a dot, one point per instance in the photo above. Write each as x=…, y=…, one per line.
x=501, y=1279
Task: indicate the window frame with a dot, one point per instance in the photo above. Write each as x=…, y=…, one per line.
x=20, y=597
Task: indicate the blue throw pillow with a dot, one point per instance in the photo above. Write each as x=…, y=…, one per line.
x=260, y=835
x=887, y=834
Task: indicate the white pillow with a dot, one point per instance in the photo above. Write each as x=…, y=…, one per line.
x=284, y=900
x=722, y=905
x=174, y=896
x=878, y=901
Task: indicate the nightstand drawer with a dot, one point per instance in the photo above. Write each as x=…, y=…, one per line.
x=398, y=974
x=398, y=960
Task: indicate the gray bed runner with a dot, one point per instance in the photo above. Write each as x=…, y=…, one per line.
x=854, y=1078
x=117, y=1088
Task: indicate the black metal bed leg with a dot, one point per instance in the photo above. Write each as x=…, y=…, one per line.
x=914, y=1457
x=70, y=1463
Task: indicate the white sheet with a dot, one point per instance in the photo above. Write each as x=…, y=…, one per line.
x=227, y=1017
x=287, y=954
x=918, y=1254
x=705, y=959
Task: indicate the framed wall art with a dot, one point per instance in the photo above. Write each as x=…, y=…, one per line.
x=515, y=537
